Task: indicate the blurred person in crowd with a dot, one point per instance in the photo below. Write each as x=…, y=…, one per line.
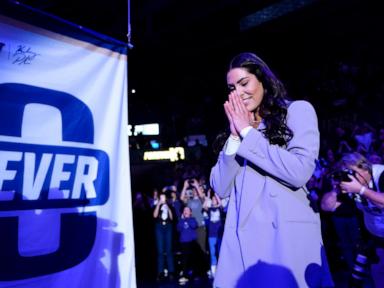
x=343, y=141
x=366, y=180
x=346, y=221
x=193, y=196
x=163, y=231
x=177, y=207
x=154, y=199
x=330, y=157
x=364, y=135
x=344, y=147
x=314, y=186
x=215, y=223
x=264, y=166
x=174, y=200
x=187, y=226
x=140, y=203
x=324, y=163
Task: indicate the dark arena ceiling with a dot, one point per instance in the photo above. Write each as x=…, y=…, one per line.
x=181, y=48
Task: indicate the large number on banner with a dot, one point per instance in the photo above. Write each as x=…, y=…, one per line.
x=32, y=174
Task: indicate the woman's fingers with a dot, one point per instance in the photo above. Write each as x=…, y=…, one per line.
x=228, y=109
x=238, y=104
x=235, y=102
x=236, y=111
x=231, y=98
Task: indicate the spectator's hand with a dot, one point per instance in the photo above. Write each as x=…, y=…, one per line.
x=351, y=187
x=186, y=184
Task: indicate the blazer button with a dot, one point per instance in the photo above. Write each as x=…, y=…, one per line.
x=274, y=224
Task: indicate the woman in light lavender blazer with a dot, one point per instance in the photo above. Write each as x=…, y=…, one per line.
x=272, y=236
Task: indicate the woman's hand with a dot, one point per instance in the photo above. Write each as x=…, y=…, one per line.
x=238, y=115
x=227, y=109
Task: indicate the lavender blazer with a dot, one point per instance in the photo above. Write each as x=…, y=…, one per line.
x=272, y=236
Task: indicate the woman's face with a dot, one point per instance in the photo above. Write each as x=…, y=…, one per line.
x=248, y=87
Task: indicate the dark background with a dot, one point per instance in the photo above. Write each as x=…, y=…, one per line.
x=181, y=50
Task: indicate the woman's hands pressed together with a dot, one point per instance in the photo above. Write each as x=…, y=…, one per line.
x=238, y=115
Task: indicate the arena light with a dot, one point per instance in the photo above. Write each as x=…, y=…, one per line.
x=154, y=144
x=144, y=129
x=172, y=154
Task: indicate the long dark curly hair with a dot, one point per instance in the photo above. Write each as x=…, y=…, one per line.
x=273, y=107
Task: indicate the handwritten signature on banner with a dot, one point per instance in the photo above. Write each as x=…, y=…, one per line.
x=23, y=55
x=20, y=55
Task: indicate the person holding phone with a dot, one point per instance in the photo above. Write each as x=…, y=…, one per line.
x=163, y=231
x=187, y=226
x=367, y=184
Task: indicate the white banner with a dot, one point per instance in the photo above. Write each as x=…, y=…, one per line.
x=65, y=199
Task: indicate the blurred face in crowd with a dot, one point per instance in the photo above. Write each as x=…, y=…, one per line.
x=247, y=86
x=187, y=212
x=155, y=194
x=163, y=198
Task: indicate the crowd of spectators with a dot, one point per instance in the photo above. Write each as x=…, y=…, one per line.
x=185, y=220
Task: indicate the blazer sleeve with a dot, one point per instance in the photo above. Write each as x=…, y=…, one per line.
x=294, y=164
x=223, y=174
